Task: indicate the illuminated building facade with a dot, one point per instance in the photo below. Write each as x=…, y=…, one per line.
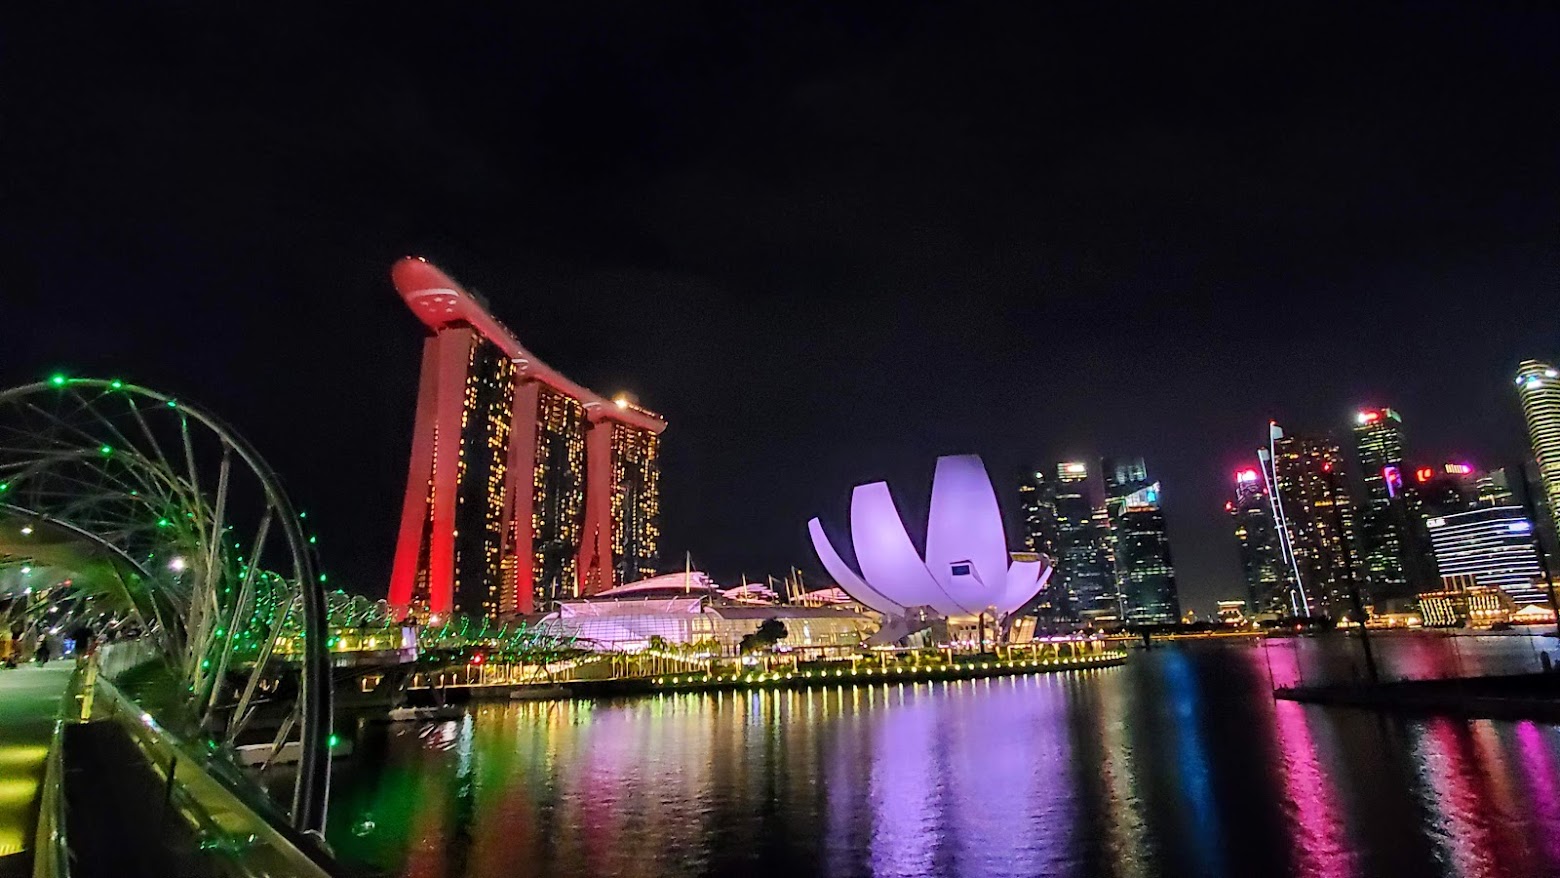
x=1386, y=513
x=1041, y=534
x=1037, y=506
x=1496, y=546
x=1083, y=566
x=1462, y=601
x=1538, y=386
x=690, y=610
x=1494, y=488
x=524, y=487
x=1145, y=572
x=636, y=503
x=1316, y=518
x=1123, y=476
x=1269, y=580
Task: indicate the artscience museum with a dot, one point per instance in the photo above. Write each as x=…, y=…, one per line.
x=965, y=581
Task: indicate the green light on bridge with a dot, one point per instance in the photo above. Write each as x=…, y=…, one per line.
x=163, y=522
x=105, y=450
x=58, y=379
x=334, y=740
x=116, y=384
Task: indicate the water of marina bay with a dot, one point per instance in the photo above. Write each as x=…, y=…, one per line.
x=1178, y=763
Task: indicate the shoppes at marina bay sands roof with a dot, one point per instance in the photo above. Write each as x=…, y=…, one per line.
x=689, y=608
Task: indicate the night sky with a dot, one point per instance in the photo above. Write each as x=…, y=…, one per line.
x=827, y=243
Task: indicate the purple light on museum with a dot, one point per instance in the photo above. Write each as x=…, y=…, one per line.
x=966, y=569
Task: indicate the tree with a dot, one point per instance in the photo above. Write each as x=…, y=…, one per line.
x=771, y=632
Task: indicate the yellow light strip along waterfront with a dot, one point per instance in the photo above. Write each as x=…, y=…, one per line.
x=825, y=677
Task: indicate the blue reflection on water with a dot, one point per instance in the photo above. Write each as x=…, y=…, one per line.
x=1205, y=830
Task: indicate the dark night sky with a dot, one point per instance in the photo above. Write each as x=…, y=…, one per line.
x=827, y=244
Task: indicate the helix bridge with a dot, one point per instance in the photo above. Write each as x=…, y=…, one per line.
x=151, y=523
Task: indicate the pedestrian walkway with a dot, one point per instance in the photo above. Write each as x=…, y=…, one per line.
x=29, y=705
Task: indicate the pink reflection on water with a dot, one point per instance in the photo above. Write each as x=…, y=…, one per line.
x=1320, y=842
x=1462, y=822
x=1539, y=769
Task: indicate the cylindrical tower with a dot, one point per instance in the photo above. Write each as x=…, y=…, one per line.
x=1538, y=386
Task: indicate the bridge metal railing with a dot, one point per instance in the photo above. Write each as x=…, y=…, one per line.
x=51, y=848
x=244, y=837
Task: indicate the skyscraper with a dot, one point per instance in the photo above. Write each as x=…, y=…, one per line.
x=1389, y=545
x=1493, y=488
x=1307, y=475
x=1145, y=571
x=1123, y=475
x=523, y=486
x=1538, y=386
x=1037, y=507
x=1086, y=581
x=1269, y=579
x=1452, y=488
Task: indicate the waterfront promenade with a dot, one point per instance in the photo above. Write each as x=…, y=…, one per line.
x=29, y=705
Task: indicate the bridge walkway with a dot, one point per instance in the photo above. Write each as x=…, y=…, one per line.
x=30, y=699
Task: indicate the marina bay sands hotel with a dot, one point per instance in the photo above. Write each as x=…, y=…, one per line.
x=524, y=487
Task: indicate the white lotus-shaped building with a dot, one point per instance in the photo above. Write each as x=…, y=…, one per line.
x=967, y=570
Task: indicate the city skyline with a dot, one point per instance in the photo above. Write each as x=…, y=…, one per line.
x=774, y=236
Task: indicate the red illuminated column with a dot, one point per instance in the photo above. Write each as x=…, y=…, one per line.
x=595, y=560
x=435, y=455
x=414, y=508
x=521, y=488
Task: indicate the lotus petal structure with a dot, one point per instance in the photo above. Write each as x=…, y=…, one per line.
x=966, y=569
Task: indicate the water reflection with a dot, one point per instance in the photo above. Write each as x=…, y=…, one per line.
x=1177, y=764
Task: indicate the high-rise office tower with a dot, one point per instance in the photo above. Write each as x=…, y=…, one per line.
x=1316, y=517
x=1493, y=489
x=1269, y=580
x=1538, y=386
x=1037, y=507
x=523, y=486
x=1390, y=546
x=1145, y=572
x=1123, y=475
x=1085, y=580
x=1110, y=607
x=1449, y=488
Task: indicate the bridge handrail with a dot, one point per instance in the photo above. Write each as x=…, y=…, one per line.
x=51, y=848
x=256, y=843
